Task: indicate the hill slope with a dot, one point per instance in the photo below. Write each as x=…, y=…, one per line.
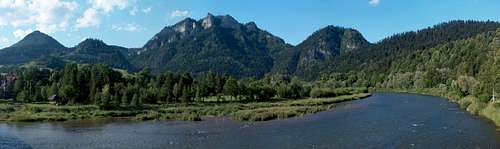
x=93, y=51
x=324, y=46
x=221, y=44
x=31, y=47
x=379, y=57
x=214, y=43
x=472, y=58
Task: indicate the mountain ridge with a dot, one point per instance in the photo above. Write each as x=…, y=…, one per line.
x=37, y=38
x=226, y=46
x=213, y=43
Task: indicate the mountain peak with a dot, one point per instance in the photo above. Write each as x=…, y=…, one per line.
x=328, y=43
x=40, y=39
x=90, y=42
x=251, y=26
x=209, y=15
x=208, y=21
x=228, y=21
x=333, y=37
x=225, y=21
x=187, y=24
x=37, y=32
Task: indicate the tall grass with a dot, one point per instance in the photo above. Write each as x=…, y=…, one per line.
x=252, y=111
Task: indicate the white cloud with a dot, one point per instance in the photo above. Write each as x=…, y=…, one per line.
x=109, y=5
x=146, y=10
x=179, y=13
x=132, y=27
x=3, y=22
x=46, y=15
x=12, y=3
x=133, y=11
x=92, y=16
x=19, y=33
x=374, y=2
x=4, y=40
x=6, y=3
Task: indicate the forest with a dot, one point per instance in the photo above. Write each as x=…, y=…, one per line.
x=93, y=91
x=106, y=87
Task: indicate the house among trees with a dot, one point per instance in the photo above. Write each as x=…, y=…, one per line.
x=7, y=81
x=55, y=99
x=4, y=77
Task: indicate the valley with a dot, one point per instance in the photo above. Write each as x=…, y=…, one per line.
x=196, y=59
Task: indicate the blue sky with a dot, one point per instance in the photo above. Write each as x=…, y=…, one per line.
x=131, y=23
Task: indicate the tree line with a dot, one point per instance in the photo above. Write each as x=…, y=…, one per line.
x=101, y=85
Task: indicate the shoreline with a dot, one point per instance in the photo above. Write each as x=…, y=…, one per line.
x=487, y=111
x=252, y=111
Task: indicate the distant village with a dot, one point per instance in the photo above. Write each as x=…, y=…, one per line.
x=7, y=81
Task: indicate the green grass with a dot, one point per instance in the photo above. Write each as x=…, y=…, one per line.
x=4, y=107
x=252, y=111
x=271, y=113
x=492, y=111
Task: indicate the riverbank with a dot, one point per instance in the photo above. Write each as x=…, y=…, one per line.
x=252, y=111
x=490, y=110
x=384, y=120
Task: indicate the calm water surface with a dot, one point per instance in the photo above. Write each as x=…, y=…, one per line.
x=384, y=120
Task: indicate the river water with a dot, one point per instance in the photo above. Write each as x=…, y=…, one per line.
x=384, y=120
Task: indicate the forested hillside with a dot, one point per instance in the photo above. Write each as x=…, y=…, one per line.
x=214, y=43
x=31, y=47
x=380, y=56
x=42, y=50
x=324, y=46
x=93, y=51
x=223, y=45
x=465, y=67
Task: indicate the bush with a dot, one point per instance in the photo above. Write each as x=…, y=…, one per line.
x=492, y=111
x=6, y=108
x=330, y=92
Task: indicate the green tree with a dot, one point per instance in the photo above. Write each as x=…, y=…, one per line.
x=124, y=99
x=177, y=93
x=296, y=89
x=106, y=97
x=187, y=94
x=231, y=87
x=70, y=88
x=135, y=100
x=168, y=87
x=23, y=96
x=283, y=91
x=68, y=94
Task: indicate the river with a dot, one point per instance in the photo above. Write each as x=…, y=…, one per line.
x=384, y=120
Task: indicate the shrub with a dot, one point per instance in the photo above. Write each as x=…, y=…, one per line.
x=330, y=92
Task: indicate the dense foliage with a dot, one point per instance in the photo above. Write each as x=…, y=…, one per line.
x=33, y=46
x=324, y=46
x=93, y=51
x=464, y=67
x=379, y=57
x=109, y=88
x=225, y=46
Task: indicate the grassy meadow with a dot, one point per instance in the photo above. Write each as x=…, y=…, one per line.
x=195, y=111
